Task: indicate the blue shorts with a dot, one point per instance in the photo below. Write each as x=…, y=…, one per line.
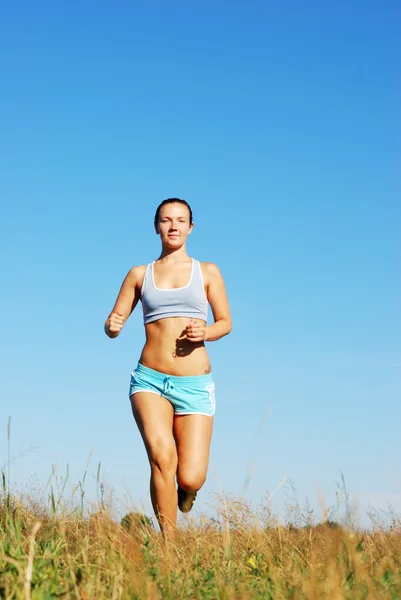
x=192, y=395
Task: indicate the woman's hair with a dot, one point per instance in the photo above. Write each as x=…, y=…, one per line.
x=171, y=201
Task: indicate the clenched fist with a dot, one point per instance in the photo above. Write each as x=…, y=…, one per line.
x=196, y=331
x=115, y=323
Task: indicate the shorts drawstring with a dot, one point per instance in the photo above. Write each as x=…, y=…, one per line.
x=167, y=385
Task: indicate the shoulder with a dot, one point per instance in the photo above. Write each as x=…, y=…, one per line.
x=211, y=271
x=138, y=270
x=209, y=267
x=136, y=275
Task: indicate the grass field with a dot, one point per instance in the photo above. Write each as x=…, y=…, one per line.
x=50, y=549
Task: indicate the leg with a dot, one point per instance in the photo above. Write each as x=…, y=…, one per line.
x=154, y=416
x=192, y=434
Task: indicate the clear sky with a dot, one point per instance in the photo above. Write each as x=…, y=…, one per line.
x=279, y=123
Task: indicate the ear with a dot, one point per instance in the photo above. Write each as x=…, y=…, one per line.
x=157, y=229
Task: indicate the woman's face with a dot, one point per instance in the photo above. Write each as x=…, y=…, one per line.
x=174, y=226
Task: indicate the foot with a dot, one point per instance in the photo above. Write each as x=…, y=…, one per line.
x=185, y=500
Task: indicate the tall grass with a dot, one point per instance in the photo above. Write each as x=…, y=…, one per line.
x=57, y=546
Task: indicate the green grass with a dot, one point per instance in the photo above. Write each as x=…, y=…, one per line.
x=54, y=548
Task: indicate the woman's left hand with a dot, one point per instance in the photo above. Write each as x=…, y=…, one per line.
x=196, y=331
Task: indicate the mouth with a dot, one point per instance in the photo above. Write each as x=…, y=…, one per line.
x=173, y=235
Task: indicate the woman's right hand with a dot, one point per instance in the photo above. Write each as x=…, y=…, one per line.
x=115, y=323
x=128, y=297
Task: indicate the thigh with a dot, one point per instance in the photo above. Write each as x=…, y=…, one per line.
x=193, y=434
x=154, y=416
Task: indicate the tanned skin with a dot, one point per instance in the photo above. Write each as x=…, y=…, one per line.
x=177, y=445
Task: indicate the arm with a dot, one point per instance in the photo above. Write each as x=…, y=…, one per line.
x=216, y=294
x=217, y=297
x=127, y=299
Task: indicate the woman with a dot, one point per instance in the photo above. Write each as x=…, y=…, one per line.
x=172, y=389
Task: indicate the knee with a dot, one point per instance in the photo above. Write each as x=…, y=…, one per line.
x=191, y=481
x=163, y=458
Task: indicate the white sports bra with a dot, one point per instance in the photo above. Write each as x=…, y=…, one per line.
x=188, y=301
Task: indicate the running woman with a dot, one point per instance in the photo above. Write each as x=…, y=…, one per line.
x=171, y=390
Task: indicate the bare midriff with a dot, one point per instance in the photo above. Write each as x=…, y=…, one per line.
x=167, y=349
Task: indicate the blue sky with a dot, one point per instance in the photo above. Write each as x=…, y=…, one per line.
x=280, y=125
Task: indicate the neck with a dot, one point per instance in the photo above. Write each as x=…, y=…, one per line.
x=173, y=255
